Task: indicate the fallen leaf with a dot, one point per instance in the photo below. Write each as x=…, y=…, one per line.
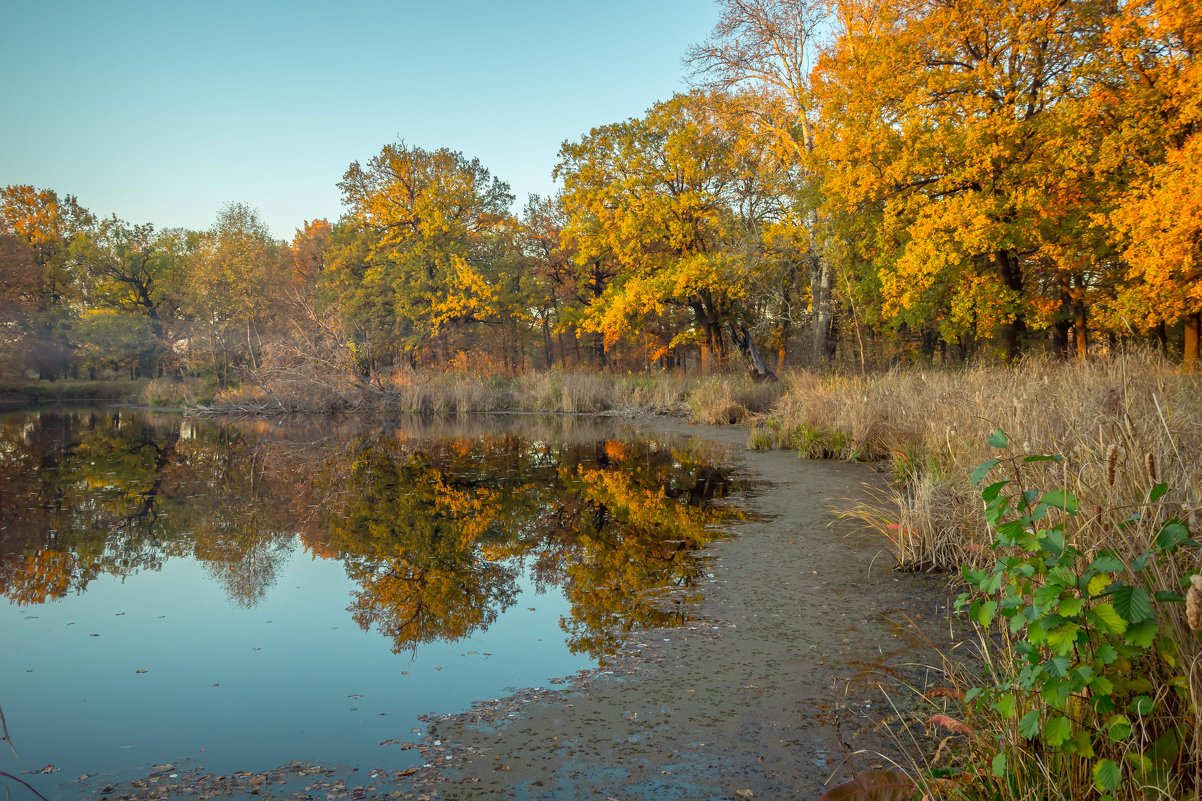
x=876, y=785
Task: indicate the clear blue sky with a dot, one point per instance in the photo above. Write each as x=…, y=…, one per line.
x=162, y=111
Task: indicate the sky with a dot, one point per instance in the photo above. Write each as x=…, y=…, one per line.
x=164, y=111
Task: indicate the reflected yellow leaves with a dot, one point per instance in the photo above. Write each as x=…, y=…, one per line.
x=439, y=534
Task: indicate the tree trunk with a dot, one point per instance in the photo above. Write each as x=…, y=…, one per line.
x=1060, y=331
x=1190, y=336
x=1010, y=333
x=548, y=351
x=1082, y=331
x=759, y=369
x=821, y=279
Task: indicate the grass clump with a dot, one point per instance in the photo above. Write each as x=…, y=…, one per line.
x=1109, y=416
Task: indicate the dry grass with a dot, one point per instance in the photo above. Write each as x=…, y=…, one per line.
x=932, y=425
x=326, y=387
x=1123, y=425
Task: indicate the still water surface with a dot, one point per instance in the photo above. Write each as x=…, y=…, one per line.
x=236, y=595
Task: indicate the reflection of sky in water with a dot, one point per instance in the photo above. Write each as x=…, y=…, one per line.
x=258, y=653
x=288, y=671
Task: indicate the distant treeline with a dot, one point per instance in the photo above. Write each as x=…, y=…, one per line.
x=857, y=182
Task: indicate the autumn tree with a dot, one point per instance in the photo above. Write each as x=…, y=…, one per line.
x=41, y=277
x=770, y=47
x=425, y=251
x=232, y=275
x=1153, y=113
x=959, y=125
x=133, y=278
x=672, y=201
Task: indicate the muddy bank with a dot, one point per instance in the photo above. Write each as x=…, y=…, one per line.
x=769, y=690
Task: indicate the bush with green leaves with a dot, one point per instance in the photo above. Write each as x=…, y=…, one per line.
x=1089, y=692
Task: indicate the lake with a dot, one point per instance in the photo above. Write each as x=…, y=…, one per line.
x=236, y=595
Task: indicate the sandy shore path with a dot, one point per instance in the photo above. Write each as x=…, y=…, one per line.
x=801, y=622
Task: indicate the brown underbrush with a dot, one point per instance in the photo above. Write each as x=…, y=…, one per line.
x=292, y=385
x=1069, y=498
x=1122, y=423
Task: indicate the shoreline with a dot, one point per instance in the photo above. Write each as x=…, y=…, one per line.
x=758, y=693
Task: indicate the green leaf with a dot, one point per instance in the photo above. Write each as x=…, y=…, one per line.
x=1142, y=633
x=998, y=439
x=1005, y=705
x=1060, y=499
x=1062, y=638
x=1104, y=617
x=1118, y=727
x=1052, y=541
x=982, y=470
x=1141, y=705
x=1044, y=457
x=991, y=492
x=1106, y=563
x=1057, y=731
x=1028, y=726
x=1172, y=534
x=1099, y=584
x=1157, y=492
x=984, y=613
x=1133, y=603
x=1071, y=607
x=1106, y=775
x=1106, y=654
x=999, y=765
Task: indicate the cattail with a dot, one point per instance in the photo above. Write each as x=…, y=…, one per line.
x=1112, y=461
x=1193, y=603
x=1150, y=464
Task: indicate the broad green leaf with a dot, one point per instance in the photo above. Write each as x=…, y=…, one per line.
x=1071, y=607
x=1057, y=731
x=1118, y=727
x=1104, y=617
x=1028, y=725
x=1157, y=492
x=984, y=613
x=1063, y=638
x=1172, y=534
x=1142, y=633
x=999, y=765
x=1005, y=705
x=982, y=470
x=1133, y=603
x=991, y=492
x=1141, y=705
x=1060, y=499
x=1052, y=541
x=1098, y=584
x=998, y=439
x=1106, y=775
x=1106, y=563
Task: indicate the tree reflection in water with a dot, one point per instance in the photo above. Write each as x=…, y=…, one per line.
x=435, y=523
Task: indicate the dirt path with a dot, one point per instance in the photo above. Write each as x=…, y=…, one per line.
x=793, y=634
